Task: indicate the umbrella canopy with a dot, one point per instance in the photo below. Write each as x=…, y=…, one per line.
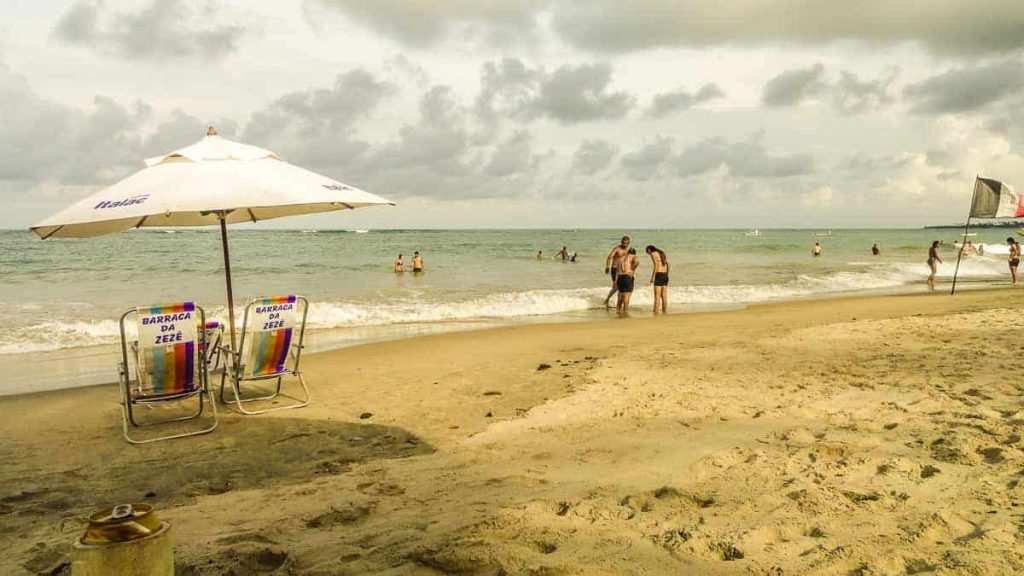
x=214, y=181
x=202, y=184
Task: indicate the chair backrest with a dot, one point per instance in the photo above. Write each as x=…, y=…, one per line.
x=167, y=349
x=268, y=335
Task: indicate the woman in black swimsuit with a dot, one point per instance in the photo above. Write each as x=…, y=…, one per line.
x=659, y=277
x=1014, y=258
x=933, y=262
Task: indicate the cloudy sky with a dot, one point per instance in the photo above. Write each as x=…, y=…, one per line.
x=532, y=113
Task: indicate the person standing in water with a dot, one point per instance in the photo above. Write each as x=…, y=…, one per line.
x=563, y=254
x=875, y=250
x=933, y=263
x=659, y=277
x=611, y=266
x=417, y=262
x=399, y=265
x=816, y=251
x=1014, y=260
x=540, y=254
x=626, y=279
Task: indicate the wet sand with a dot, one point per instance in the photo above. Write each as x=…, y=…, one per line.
x=877, y=435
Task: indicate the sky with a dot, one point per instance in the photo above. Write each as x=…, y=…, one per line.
x=532, y=113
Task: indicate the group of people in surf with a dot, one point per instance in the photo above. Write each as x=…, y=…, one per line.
x=968, y=248
x=622, y=263
x=417, y=263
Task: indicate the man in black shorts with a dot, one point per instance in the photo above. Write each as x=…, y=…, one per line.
x=612, y=264
x=626, y=280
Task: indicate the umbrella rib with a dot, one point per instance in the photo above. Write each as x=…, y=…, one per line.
x=251, y=215
x=55, y=230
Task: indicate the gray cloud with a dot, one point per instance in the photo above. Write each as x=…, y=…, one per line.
x=749, y=159
x=47, y=141
x=569, y=95
x=848, y=94
x=851, y=95
x=794, y=86
x=163, y=29
x=513, y=156
x=678, y=100
x=593, y=156
x=943, y=26
x=315, y=127
x=645, y=163
x=425, y=23
x=966, y=89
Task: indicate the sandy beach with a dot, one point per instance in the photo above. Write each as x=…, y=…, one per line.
x=866, y=435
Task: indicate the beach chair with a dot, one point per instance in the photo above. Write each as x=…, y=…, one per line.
x=270, y=349
x=169, y=362
x=214, y=336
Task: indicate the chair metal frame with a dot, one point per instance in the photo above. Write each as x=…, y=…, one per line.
x=235, y=365
x=202, y=391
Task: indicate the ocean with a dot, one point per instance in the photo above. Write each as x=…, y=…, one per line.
x=61, y=298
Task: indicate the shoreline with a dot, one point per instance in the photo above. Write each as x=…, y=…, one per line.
x=881, y=427
x=69, y=368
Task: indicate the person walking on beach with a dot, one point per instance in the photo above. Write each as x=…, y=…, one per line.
x=417, y=262
x=1014, y=258
x=816, y=251
x=626, y=279
x=399, y=265
x=659, y=277
x=611, y=265
x=875, y=250
x=933, y=263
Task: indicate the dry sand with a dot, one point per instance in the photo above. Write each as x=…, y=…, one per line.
x=855, y=436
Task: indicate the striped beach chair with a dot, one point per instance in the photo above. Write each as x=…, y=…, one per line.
x=270, y=350
x=168, y=369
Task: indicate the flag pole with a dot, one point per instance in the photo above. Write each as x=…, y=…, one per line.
x=963, y=240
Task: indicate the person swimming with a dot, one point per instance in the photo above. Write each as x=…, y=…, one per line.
x=659, y=277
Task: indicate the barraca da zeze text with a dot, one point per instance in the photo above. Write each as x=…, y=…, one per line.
x=272, y=315
x=167, y=323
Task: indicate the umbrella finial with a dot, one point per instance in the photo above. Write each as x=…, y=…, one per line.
x=211, y=131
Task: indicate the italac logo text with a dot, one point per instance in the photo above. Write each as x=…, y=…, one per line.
x=118, y=203
x=336, y=187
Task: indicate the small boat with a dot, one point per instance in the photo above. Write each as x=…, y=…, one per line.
x=752, y=233
x=824, y=234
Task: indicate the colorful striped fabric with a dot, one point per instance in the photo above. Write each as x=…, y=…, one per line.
x=167, y=369
x=269, y=350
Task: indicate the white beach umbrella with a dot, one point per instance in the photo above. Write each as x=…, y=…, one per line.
x=212, y=182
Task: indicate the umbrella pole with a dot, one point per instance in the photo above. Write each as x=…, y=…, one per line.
x=227, y=274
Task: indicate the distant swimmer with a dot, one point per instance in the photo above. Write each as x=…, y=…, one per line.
x=875, y=250
x=399, y=265
x=626, y=279
x=1014, y=258
x=417, y=262
x=816, y=251
x=933, y=263
x=540, y=254
x=563, y=254
x=659, y=277
x=611, y=265
x=573, y=257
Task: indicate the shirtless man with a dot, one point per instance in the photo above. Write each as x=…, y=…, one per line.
x=611, y=265
x=1014, y=259
x=417, y=262
x=563, y=254
x=626, y=279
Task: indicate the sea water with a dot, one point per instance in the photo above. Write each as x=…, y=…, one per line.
x=61, y=299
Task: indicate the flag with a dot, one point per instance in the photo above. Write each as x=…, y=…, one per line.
x=993, y=199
